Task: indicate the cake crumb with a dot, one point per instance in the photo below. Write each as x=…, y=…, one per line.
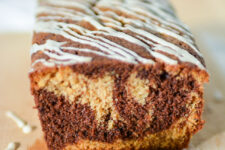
x=13, y=146
x=218, y=95
x=26, y=128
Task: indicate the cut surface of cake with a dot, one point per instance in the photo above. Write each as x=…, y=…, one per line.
x=115, y=75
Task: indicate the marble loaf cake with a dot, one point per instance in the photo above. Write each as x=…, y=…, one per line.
x=115, y=75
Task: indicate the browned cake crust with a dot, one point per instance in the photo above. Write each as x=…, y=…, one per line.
x=125, y=98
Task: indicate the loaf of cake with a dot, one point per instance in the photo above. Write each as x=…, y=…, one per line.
x=115, y=75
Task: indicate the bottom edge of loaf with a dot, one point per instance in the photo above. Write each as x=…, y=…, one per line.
x=148, y=142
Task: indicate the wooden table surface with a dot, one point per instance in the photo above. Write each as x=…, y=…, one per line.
x=14, y=90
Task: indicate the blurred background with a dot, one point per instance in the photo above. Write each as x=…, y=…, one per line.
x=206, y=18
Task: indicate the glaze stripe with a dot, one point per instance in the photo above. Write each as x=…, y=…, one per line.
x=145, y=18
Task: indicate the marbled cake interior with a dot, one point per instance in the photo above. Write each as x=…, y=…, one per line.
x=120, y=102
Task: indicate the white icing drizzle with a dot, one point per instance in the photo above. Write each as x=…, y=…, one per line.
x=164, y=58
x=109, y=23
x=78, y=5
x=156, y=28
x=50, y=10
x=136, y=9
x=53, y=27
x=57, y=53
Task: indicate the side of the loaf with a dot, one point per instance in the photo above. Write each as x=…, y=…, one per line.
x=119, y=106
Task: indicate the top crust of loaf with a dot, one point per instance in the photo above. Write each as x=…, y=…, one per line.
x=88, y=31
